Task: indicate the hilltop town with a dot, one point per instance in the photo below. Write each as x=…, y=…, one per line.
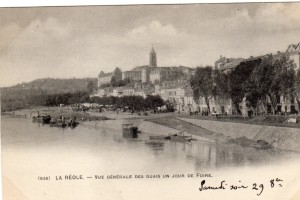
x=173, y=84
x=255, y=86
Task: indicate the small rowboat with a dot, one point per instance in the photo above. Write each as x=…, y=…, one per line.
x=261, y=144
x=58, y=124
x=180, y=138
x=159, y=137
x=41, y=119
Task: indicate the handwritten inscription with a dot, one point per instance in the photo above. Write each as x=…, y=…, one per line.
x=259, y=187
x=204, y=187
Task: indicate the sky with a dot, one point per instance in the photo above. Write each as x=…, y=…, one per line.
x=67, y=42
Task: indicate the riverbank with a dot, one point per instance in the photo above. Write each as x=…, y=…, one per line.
x=209, y=129
x=280, y=137
x=145, y=127
x=243, y=134
x=55, y=112
x=195, y=130
x=267, y=120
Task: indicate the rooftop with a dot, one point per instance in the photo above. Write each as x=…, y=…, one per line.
x=233, y=63
x=139, y=68
x=102, y=74
x=293, y=47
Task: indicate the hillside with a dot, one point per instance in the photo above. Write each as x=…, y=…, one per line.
x=54, y=85
x=34, y=92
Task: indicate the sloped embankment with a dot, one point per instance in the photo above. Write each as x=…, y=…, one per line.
x=280, y=137
x=193, y=129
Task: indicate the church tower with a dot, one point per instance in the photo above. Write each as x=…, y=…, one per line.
x=152, y=59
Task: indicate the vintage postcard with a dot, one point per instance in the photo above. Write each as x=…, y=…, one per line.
x=187, y=101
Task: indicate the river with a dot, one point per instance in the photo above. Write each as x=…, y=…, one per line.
x=31, y=150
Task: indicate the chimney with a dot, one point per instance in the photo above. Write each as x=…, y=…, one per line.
x=220, y=56
x=251, y=57
x=278, y=52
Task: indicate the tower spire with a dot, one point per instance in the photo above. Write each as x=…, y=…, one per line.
x=152, y=58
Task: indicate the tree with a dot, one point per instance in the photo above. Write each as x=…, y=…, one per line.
x=222, y=84
x=153, y=101
x=105, y=85
x=202, y=84
x=274, y=77
x=90, y=87
x=296, y=91
x=118, y=83
x=113, y=81
x=239, y=83
x=252, y=89
x=118, y=73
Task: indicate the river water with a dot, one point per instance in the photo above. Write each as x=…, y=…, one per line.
x=31, y=150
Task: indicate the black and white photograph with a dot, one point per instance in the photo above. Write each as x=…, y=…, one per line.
x=150, y=101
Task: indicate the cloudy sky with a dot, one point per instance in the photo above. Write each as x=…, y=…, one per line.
x=79, y=42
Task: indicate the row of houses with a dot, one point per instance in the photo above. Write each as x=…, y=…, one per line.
x=137, y=89
x=227, y=64
x=285, y=104
x=180, y=95
x=120, y=91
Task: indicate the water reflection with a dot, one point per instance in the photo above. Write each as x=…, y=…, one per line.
x=156, y=145
x=109, y=144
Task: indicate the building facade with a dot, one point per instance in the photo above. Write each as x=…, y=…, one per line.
x=162, y=73
x=293, y=51
x=226, y=64
x=132, y=75
x=152, y=73
x=105, y=78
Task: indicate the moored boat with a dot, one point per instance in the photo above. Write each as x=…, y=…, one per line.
x=46, y=119
x=179, y=138
x=41, y=119
x=58, y=124
x=129, y=130
x=261, y=144
x=159, y=137
x=72, y=122
x=37, y=119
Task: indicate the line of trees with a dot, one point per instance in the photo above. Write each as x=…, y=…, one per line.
x=259, y=81
x=30, y=98
x=296, y=89
x=66, y=98
x=26, y=98
x=130, y=102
